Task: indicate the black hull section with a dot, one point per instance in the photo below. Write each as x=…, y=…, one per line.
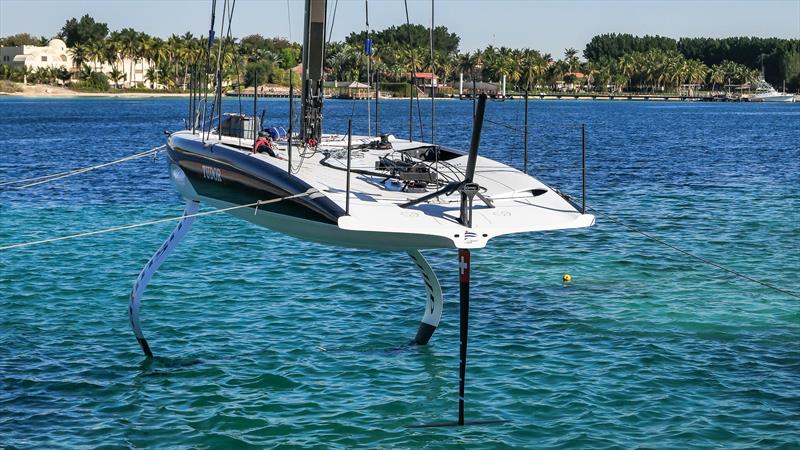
x=220, y=172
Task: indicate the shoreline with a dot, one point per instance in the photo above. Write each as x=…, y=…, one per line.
x=47, y=91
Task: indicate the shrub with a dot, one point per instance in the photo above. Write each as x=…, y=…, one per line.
x=95, y=82
x=396, y=89
x=9, y=86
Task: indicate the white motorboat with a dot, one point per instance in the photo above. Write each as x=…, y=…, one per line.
x=766, y=93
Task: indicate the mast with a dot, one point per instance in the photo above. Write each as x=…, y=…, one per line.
x=313, y=54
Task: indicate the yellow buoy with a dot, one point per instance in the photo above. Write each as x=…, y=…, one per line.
x=567, y=278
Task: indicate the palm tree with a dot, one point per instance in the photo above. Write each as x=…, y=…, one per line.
x=114, y=48
x=115, y=76
x=189, y=52
x=95, y=52
x=78, y=52
x=152, y=75
x=85, y=72
x=717, y=76
x=173, y=49
x=139, y=52
x=571, y=58
x=533, y=67
x=627, y=66
x=129, y=39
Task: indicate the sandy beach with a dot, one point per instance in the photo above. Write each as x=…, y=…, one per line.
x=44, y=90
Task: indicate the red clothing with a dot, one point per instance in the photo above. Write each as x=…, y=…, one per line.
x=260, y=142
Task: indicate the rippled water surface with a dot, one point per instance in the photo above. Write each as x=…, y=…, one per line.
x=263, y=340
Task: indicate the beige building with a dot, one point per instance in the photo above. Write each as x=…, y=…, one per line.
x=54, y=54
x=138, y=76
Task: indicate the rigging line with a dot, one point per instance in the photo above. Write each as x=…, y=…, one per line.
x=333, y=21
x=53, y=175
x=229, y=39
x=208, y=67
x=218, y=74
x=48, y=179
x=433, y=92
x=219, y=39
x=692, y=255
x=289, y=19
x=154, y=222
x=236, y=59
x=368, y=50
x=433, y=74
x=413, y=75
x=510, y=127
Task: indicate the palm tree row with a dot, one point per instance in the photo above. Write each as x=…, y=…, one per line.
x=170, y=61
x=528, y=69
x=169, y=64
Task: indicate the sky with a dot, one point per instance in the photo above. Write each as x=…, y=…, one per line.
x=549, y=26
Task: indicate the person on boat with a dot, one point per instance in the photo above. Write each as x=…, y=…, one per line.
x=263, y=144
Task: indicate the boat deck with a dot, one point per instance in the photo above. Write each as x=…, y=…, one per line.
x=519, y=202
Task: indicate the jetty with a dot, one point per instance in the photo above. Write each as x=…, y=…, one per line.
x=618, y=97
x=270, y=91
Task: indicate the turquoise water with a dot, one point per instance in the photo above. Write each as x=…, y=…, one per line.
x=264, y=341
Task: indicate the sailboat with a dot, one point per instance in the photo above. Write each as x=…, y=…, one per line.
x=371, y=192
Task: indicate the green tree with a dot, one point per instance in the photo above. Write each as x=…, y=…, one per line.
x=79, y=55
x=63, y=74
x=130, y=42
x=83, y=31
x=116, y=75
x=20, y=39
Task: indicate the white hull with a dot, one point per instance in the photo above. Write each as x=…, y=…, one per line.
x=322, y=233
x=377, y=220
x=784, y=98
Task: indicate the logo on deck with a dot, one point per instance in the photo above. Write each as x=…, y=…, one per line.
x=470, y=236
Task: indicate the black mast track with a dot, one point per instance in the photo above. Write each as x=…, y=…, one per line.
x=313, y=54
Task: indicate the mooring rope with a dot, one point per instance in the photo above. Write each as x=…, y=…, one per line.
x=35, y=181
x=692, y=255
x=154, y=222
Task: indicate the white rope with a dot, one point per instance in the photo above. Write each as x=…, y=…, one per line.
x=69, y=173
x=692, y=255
x=154, y=222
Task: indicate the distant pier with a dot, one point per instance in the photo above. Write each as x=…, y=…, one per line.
x=263, y=93
x=623, y=97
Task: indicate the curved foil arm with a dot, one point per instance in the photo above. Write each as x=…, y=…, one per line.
x=434, y=304
x=152, y=266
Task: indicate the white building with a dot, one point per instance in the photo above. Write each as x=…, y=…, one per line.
x=55, y=54
x=138, y=76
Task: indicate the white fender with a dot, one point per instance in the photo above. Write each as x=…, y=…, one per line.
x=150, y=268
x=434, y=303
